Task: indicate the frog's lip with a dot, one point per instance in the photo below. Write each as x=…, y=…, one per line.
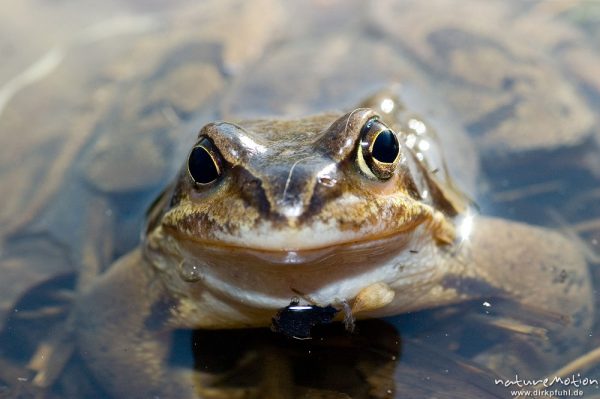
x=276, y=247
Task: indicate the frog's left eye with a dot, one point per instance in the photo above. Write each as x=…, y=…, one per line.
x=204, y=162
x=379, y=150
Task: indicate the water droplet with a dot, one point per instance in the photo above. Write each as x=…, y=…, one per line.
x=411, y=140
x=424, y=145
x=387, y=105
x=190, y=271
x=417, y=126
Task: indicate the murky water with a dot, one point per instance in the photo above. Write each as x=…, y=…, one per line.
x=98, y=105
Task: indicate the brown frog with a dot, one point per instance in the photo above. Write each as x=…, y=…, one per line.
x=352, y=210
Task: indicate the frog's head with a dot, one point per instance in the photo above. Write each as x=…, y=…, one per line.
x=296, y=185
x=281, y=192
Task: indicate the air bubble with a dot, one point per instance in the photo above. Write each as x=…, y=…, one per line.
x=190, y=272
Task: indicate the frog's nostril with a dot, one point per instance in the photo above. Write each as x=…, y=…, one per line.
x=326, y=176
x=327, y=181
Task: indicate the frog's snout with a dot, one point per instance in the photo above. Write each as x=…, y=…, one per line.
x=292, y=193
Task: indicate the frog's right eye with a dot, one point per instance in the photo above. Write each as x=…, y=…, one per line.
x=204, y=162
x=379, y=150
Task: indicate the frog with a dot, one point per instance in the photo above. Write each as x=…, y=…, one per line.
x=95, y=128
x=353, y=210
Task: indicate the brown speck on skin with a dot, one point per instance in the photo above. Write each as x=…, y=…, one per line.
x=561, y=277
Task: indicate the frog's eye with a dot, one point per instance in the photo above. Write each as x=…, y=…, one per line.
x=379, y=150
x=204, y=162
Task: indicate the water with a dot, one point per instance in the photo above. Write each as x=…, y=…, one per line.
x=81, y=89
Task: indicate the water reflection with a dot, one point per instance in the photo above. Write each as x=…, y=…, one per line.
x=372, y=362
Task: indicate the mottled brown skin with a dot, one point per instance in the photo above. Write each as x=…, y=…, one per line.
x=389, y=248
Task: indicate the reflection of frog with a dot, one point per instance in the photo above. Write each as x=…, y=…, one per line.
x=255, y=363
x=340, y=208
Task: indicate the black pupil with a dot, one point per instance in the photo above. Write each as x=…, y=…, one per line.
x=385, y=148
x=201, y=166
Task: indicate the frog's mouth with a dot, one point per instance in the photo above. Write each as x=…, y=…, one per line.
x=315, y=237
x=277, y=242
x=286, y=241
x=301, y=246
